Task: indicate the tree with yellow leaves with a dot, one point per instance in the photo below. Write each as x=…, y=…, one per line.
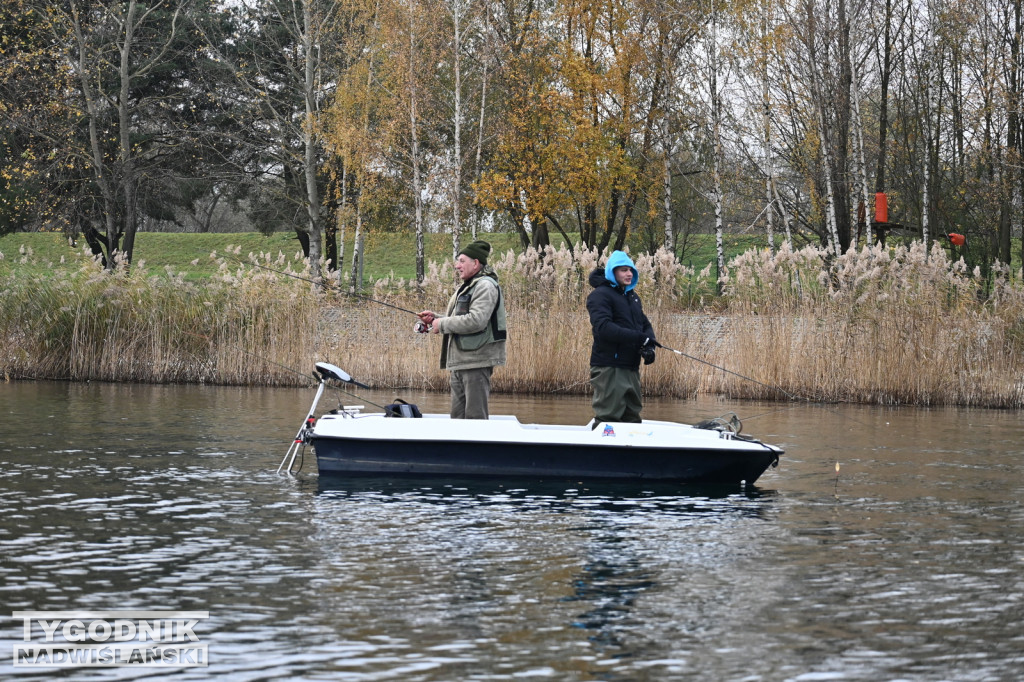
x=585, y=90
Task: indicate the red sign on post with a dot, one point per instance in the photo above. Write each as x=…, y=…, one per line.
x=881, y=208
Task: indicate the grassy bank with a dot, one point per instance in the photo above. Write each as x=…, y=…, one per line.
x=895, y=326
x=387, y=254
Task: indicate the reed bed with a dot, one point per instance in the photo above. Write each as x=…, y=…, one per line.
x=85, y=323
x=887, y=326
x=884, y=326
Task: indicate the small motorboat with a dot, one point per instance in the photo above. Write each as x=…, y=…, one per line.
x=402, y=442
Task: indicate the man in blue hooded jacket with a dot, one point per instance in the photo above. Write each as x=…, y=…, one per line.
x=623, y=336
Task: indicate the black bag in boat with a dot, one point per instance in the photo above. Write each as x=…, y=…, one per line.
x=400, y=408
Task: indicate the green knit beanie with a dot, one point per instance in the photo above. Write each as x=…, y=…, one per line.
x=479, y=250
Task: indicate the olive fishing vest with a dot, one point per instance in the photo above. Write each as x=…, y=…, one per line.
x=495, y=329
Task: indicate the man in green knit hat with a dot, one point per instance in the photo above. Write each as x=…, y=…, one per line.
x=474, y=332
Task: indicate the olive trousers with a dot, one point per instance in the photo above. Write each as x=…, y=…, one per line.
x=471, y=390
x=617, y=395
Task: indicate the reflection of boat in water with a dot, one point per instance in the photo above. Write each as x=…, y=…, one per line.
x=529, y=494
x=402, y=442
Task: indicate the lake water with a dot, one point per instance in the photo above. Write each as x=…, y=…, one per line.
x=906, y=565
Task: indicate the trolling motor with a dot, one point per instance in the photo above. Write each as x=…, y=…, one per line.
x=324, y=371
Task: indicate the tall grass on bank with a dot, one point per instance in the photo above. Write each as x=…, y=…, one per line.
x=886, y=326
x=88, y=323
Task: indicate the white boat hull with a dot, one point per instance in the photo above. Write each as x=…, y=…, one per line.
x=350, y=444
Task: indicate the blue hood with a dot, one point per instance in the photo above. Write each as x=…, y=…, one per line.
x=618, y=259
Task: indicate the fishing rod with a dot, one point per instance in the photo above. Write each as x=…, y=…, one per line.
x=325, y=283
x=791, y=396
x=729, y=371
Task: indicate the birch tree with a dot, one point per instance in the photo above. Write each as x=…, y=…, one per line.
x=411, y=39
x=930, y=65
x=716, y=146
x=857, y=123
x=415, y=153
x=357, y=127
x=485, y=58
x=458, y=11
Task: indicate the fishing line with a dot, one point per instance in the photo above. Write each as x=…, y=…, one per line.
x=791, y=396
x=255, y=355
x=326, y=284
x=741, y=376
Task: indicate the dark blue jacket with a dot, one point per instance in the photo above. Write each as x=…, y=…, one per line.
x=617, y=318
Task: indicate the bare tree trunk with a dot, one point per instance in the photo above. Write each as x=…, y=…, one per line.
x=1018, y=95
x=719, y=226
x=357, y=252
x=1015, y=131
x=129, y=183
x=670, y=238
x=99, y=169
x=885, y=75
x=309, y=141
x=360, y=175
x=840, y=133
x=716, y=135
x=787, y=221
x=766, y=126
x=414, y=150
x=342, y=223
x=926, y=129
x=824, y=133
x=483, y=108
x=830, y=204
x=862, y=167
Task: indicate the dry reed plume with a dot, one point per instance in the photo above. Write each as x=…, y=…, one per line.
x=890, y=326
